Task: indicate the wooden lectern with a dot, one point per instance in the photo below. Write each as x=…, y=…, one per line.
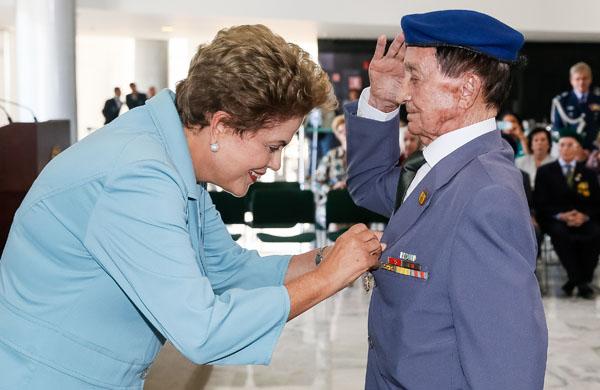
x=25, y=148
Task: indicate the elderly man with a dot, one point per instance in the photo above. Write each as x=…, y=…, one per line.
x=567, y=204
x=578, y=109
x=456, y=304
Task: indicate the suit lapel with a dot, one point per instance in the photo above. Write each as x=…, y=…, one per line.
x=410, y=211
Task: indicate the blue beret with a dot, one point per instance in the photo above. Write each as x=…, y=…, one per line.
x=466, y=29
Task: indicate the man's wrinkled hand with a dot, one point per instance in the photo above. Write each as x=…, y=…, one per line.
x=386, y=74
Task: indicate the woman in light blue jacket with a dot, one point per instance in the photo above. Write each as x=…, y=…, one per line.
x=117, y=248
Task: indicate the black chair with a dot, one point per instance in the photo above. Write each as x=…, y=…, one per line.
x=275, y=185
x=231, y=208
x=282, y=208
x=341, y=209
x=547, y=258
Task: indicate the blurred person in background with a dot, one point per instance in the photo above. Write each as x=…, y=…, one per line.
x=409, y=143
x=567, y=205
x=151, y=91
x=579, y=108
x=539, y=142
x=512, y=126
x=332, y=170
x=112, y=107
x=135, y=98
x=593, y=161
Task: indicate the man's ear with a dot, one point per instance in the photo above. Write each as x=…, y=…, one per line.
x=469, y=90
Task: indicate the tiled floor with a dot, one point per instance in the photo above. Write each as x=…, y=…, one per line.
x=326, y=349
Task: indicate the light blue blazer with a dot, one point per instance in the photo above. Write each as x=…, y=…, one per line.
x=116, y=249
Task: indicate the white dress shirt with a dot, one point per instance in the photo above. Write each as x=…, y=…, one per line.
x=565, y=165
x=439, y=148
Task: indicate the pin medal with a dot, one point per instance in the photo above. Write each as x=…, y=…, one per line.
x=406, y=265
x=368, y=281
x=405, y=271
x=422, y=198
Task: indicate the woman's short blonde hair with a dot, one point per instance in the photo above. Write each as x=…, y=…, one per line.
x=255, y=76
x=337, y=121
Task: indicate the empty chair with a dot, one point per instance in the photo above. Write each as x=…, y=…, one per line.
x=340, y=209
x=283, y=208
x=231, y=208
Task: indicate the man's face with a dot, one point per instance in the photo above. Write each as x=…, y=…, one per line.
x=411, y=143
x=431, y=98
x=117, y=92
x=581, y=81
x=568, y=149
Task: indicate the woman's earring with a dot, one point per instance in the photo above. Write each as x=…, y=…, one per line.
x=214, y=147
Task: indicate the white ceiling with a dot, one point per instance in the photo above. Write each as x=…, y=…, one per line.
x=537, y=19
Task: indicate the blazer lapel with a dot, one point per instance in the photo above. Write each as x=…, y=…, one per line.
x=195, y=231
x=424, y=193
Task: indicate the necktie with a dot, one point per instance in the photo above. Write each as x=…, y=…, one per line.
x=569, y=175
x=407, y=174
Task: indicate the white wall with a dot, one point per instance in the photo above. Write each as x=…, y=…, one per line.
x=538, y=19
x=102, y=64
x=151, y=64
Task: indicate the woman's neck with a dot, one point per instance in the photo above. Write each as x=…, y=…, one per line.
x=539, y=158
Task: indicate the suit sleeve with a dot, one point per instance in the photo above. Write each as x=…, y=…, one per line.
x=106, y=109
x=138, y=234
x=546, y=205
x=557, y=122
x=373, y=154
x=496, y=304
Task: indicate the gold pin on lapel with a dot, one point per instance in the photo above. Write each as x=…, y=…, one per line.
x=422, y=197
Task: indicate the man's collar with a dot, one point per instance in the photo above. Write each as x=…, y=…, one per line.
x=580, y=94
x=449, y=142
x=563, y=163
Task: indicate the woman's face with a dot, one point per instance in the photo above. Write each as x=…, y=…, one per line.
x=411, y=143
x=242, y=159
x=539, y=144
x=515, y=125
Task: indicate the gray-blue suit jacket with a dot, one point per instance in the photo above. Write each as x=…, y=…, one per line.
x=478, y=321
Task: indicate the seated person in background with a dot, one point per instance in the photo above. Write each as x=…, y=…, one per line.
x=333, y=167
x=593, y=161
x=511, y=125
x=567, y=204
x=409, y=143
x=539, y=142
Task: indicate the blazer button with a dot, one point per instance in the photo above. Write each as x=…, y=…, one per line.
x=370, y=341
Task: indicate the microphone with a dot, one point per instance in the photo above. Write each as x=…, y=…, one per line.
x=7, y=115
x=20, y=106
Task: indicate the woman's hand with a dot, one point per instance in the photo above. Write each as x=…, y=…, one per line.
x=355, y=252
x=340, y=185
